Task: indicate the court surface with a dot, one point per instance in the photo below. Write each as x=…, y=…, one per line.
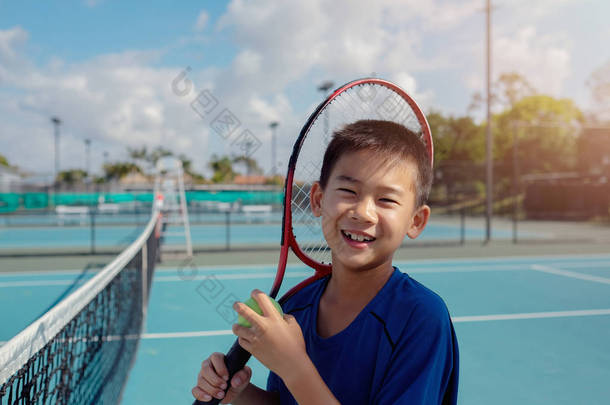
x=531, y=330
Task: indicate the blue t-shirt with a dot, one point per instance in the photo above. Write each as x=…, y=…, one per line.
x=400, y=349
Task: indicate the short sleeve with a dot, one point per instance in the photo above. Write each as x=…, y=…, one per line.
x=424, y=365
x=273, y=382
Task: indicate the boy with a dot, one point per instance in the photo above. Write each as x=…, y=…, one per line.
x=367, y=334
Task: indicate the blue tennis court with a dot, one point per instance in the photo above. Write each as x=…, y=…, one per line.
x=532, y=330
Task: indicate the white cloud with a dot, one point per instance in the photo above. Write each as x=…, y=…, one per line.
x=11, y=59
x=528, y=10
x=282, y=50
x=544, y=60
x=281, y=43
x=541, y=59
x=202, y=21
x=120, y=99
x=116, y=100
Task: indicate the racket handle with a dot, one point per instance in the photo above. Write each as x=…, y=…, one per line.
x=236, y=359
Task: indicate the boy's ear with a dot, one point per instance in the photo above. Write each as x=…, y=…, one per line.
x=420, y=219
x=315, y=198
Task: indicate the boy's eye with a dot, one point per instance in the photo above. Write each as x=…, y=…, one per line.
x=388, y=200
x=347, y=190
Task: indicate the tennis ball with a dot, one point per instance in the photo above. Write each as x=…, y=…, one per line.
x=251, y=302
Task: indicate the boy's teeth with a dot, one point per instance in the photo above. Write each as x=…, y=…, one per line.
x=356, y=237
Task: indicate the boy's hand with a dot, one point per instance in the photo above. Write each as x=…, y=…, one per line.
x=212, y=380
x=275, y=341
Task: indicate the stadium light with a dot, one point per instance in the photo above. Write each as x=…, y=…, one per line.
x=273, y=125
x=56, y=123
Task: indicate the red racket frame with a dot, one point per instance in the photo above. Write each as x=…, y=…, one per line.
x=288, y=239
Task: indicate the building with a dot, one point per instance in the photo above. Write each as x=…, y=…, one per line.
x=10, y=180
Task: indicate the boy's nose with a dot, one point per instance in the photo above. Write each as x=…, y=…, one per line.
x=364, y=210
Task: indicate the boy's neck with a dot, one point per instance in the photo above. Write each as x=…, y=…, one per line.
x=356, y=287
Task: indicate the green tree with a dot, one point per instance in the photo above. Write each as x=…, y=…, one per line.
x=151, y=158
x=118, y=170
x=138, y=154
x=223, y=169
x=4, y=161
x=187, y=166
x=546, y=130
x=158, y=153
x=506, y=91
x=459, y=151
x=250, y=164
x=71, y=177
x=142, y=154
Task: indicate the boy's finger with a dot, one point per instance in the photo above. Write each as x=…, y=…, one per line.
x=210, y=389
x=200, y=394
x=208, y=372
x=209, y=386
x=241, y=378
x=264, y=302
x=242, y=331
x=245, y=344
x=246, y=312
x=218, y=361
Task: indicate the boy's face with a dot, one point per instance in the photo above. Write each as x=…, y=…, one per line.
x=367, y=208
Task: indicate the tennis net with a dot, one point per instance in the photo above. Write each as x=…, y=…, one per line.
x=81, y=351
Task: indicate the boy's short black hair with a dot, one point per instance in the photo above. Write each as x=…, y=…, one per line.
x=390, y=141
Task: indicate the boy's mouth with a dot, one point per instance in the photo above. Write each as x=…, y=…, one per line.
x=357, y=237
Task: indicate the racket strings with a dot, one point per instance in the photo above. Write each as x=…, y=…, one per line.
x=306, y=223
x=365, y=101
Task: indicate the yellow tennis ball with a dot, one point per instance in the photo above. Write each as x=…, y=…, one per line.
x=251, y=302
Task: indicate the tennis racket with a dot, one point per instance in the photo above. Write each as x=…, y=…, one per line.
x=371, y=98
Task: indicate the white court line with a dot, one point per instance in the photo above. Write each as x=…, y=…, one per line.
x=531, y=315
x=38, y=283
x=174, y=335
x=572, y=274
x=46, y=272
x=242, y=276
x=457, y=319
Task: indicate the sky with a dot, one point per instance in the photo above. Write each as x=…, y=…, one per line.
x=128, y=74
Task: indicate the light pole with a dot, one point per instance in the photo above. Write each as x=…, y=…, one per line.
x=87, y=162
x=273, y=125
x=104, y=168
x=56, y=123
x=324, y=87
x=489, y=140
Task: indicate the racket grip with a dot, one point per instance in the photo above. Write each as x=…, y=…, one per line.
x=235, y=359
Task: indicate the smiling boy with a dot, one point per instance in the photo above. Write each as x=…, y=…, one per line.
x=368, y=333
